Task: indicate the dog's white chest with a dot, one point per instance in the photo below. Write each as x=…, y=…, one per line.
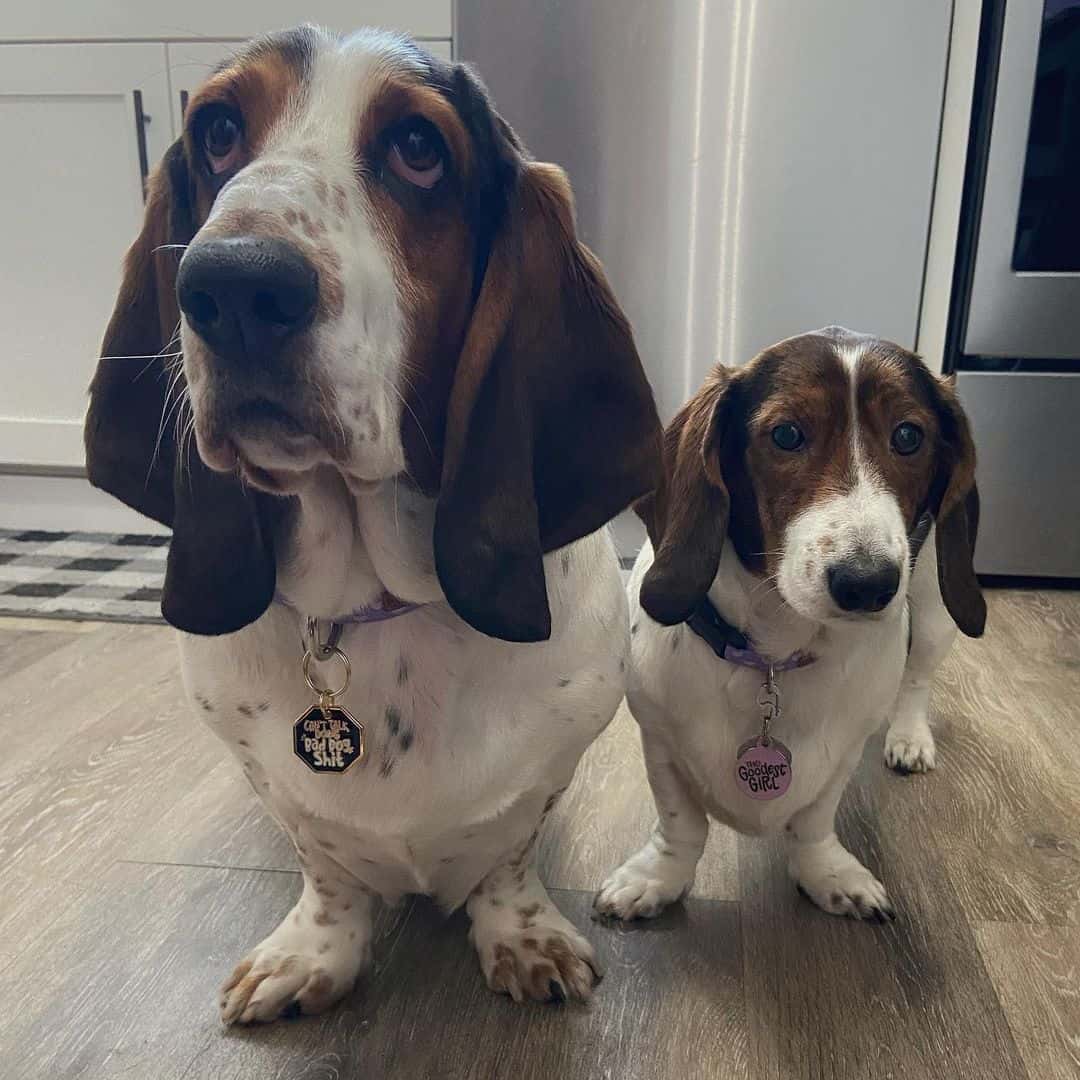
x=465, y=738
x=710, y=710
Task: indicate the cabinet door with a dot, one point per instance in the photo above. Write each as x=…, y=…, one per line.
x=70, y=204
x=190, y=62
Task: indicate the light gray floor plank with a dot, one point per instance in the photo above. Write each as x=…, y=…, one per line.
x=110, y=968
x=20, y=647
x=836, y=999
x=1036, y=970
x=126, y=986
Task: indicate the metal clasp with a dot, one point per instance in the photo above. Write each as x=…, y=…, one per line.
x=769, y=700
x=319, y=647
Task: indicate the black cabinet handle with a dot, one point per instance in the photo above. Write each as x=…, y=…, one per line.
x=141, y=120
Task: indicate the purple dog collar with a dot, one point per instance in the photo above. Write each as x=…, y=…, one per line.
x=734, y=646
x=387, y=607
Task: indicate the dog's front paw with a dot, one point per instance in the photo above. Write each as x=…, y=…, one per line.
x=838, y=883
x=531, y=951
x=910, y=750
x=644, y=885
x=298, y=969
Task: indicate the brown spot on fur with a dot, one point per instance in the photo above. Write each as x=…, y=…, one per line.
x=322, y=918
x=318, y=992
x=242, y=742
x=530, y=911
x=238, y=973
x=324, y=948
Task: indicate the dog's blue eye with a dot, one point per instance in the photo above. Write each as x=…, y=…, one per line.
x=788, y=436
x=907, y=438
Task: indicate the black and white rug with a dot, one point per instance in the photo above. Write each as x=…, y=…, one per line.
x=77, y=575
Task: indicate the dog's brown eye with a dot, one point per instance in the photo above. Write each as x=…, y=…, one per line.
x=907, y=438
x=788, y=436
x=221, y=139
x=417, y=153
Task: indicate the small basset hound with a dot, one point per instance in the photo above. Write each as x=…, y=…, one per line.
x=386, y=401
x=787, y=604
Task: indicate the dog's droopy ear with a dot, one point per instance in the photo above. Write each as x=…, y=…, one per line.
x=687, y=517
x=220, y=573
x=954, y=502
x=551, y=426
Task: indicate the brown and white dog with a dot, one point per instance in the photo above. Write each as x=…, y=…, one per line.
x=415, y=402
x=798, y=492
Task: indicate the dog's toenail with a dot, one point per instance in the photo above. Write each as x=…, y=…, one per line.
x=556, y=992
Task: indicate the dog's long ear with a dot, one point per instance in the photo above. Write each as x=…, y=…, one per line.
x=551, y=426
x=687, y=517
x=220, y=574
x=954, y=502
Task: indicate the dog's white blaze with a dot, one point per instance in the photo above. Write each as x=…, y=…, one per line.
x=356, y=356
x=865, y=518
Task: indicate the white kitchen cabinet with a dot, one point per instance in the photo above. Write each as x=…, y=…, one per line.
x=70, y=200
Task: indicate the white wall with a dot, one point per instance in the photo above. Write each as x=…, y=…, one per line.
x=746, y=169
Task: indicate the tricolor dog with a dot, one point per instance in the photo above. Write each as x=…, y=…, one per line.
x=386, y=401
x=810, y=558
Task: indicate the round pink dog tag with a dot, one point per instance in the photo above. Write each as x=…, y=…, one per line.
x=763, y=769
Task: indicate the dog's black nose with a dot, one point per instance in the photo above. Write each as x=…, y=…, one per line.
x=244, y=296
x=863, y=582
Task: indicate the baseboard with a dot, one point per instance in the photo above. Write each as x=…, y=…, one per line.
x=65, y=503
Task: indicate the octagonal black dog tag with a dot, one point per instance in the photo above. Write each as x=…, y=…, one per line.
x=328, y=741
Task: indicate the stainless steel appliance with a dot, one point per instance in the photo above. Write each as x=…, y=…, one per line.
x=1014, y=334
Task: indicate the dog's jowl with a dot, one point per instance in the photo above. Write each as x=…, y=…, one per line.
x=810, y=559
x=362, y=367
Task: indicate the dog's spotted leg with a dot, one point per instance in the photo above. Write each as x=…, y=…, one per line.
x=663, y=870
x=527, y=948
x=909, y=743
x=822, y=868
x=314, y=957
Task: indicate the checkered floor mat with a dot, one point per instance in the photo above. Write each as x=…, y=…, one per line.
x=76, y=575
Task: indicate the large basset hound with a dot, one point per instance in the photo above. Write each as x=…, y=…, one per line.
x=386, y=401
x=810, y=559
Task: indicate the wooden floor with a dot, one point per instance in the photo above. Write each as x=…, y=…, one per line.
x=136, y=868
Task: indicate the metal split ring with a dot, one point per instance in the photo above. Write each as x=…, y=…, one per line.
x=324, y=692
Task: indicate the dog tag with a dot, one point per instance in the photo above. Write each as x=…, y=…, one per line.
x=763, y=768
x=327, y=739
